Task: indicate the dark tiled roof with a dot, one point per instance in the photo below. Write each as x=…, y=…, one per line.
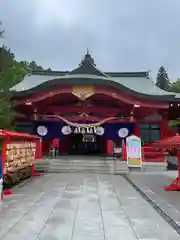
x=87, y=66
x=95, y=71
x=136, y=83
x=128, y=74
x=49, y=73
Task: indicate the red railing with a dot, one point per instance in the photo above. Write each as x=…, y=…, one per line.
x=152, y=153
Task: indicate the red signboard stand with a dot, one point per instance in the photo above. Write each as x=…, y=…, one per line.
x=14, y=140
x=175, y=185
x=169, y=144
x=123, y=151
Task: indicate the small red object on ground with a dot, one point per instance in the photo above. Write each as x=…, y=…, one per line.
x=7, y=192
x=35, y=175
x=169, y=144
x=174, y=186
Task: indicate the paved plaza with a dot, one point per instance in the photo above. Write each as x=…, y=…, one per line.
x=78, y=207
x=152, y=184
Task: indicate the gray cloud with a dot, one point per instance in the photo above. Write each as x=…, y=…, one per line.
x=127, y=35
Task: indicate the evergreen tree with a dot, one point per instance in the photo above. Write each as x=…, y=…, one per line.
x=11, y=73
x=162, y=79
x=34, y=66
x=1, y=31
x=175, y=86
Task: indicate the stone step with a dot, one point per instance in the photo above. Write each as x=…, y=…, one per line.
x=55, y=162
x=86, y=166
x=81, y=165
x=119, y=166
x=86, y=171
x=92, y=170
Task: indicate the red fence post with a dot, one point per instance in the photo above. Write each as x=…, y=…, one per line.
x=123, y=151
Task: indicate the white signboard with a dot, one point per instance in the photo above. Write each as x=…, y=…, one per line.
x=134, y=151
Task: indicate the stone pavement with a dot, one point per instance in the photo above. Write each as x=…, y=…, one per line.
x=152, y=184
x=78, y=207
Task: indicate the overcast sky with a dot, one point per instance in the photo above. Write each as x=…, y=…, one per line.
x=122, y=35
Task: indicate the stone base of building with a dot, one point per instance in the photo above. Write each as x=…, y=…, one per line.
x=150, y=167
x=154, y=167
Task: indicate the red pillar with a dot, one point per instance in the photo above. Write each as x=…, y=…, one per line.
x=109, y=146
x=4, y=146
x=164, y=128
x=137, y=130
x=38, y=149
x=123, y=151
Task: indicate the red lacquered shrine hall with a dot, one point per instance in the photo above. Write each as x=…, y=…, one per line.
x=90, y=111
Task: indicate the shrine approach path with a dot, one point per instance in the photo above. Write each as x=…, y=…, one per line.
x=80, y=206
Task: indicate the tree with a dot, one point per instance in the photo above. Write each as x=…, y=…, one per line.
x=175, y=86
x=162, y=79
x=1, y=31
x=33, y=65
x=11, y=73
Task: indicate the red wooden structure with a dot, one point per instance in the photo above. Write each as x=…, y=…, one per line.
x=86, y=94
x=170, y=144
x=152, y=154
x=8, y=137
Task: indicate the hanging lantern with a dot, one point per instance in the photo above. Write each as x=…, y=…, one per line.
x=66, y=130
x=99, y=131
x=42, y=131
x=123, y=132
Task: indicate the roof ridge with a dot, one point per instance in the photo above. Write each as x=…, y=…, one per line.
x=128, y=74
x=87, y=66
x=45, y=72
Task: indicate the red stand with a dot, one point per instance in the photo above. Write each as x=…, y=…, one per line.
x=175, y=185
x=7, y=192
x=33, y=174
x=109, y=147
x=2, y=196
x=123, y=151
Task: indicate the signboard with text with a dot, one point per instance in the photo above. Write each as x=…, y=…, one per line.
x=134, y=151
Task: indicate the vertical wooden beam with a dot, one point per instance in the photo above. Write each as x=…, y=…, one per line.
x=109, y=147
x=137, y=130
x=164, y=127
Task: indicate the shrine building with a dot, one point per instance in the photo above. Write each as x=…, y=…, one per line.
x=90, y=111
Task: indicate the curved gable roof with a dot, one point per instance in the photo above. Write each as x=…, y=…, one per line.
x=136, y=83
x=141, y=86
x=87, y=66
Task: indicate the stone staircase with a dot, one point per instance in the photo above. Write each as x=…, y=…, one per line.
x=82, y=164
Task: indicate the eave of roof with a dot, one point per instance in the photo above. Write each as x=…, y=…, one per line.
x=135, y=83
x=145, y=89
x=128, y=74
x=106, y=74
x=48, y=73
